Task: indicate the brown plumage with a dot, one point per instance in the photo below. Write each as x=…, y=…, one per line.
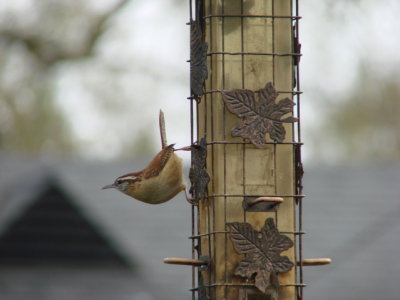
x=160, y=181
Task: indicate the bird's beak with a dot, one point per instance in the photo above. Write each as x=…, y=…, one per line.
x=110, y=186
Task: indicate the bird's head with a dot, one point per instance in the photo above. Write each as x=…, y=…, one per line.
x=122, y=183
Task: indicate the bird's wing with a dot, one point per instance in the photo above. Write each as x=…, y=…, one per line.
x=159, y=161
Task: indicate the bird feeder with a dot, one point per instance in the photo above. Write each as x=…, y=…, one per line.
x=246, y=170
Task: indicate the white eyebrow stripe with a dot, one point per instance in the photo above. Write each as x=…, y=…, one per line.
x=127, y=177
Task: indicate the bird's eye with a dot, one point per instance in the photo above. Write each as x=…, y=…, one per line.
x=118, y=181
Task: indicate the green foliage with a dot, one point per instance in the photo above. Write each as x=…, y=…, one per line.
x=34, y=125
x=365, y=124
x=31, y=51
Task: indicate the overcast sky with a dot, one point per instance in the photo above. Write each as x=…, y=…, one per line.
x=147, y=45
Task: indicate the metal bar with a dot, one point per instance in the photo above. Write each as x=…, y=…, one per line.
x=211, y=209
x=249, y=143
x=279, y=92
x=251, y=16
x=245, y=285
x=300, y=189
x=225, y=232
x=248, y=195
x=224, y=147
x=192, y=138
x=252, y=53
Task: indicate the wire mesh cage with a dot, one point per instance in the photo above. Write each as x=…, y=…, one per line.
x=246, y=170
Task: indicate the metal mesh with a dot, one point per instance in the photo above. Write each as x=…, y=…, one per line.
x=200, y=285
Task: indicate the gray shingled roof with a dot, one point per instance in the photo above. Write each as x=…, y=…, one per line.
x=351, y=214
x=145, y=233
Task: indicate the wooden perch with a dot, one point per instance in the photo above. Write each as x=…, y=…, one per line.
x=276, y=200
x=315, y=262
x=185, y=261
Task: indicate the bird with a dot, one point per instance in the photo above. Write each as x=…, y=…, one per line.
x=161, y=180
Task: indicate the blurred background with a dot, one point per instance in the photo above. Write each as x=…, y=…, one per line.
x=81, y=83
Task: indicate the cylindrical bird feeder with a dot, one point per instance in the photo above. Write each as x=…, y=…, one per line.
x=246, y=170
x=247, y=221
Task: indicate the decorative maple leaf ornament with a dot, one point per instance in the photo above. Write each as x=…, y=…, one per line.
x=260, y=117
x=262, y=254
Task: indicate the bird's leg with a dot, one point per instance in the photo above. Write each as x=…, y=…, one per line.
x=191, y=200
x=187, y=148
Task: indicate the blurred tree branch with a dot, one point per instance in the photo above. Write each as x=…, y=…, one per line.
x=30, y=120
x=39, y=47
